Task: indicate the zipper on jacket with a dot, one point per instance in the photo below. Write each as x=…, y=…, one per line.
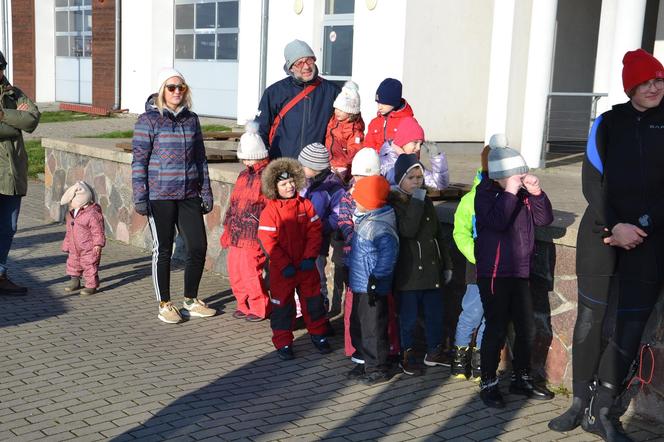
x=440, y=257
x=419, y=249
x=495, y=267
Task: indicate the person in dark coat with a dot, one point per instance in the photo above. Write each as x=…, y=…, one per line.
x=509, y=203
x=620, y=239
x=306, y=122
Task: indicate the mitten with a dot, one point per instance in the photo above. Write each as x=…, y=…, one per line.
x=307, y=264
x=371, y=289
x=288, y=271
x=207, y=205
x=141, y=208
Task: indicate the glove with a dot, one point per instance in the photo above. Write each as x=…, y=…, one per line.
x=371, y=290
x=141, y=208
x=419, y=194
x=307, y=264
x=288, y=271
x=447, y=276
x=207, y=205
x=433, y=149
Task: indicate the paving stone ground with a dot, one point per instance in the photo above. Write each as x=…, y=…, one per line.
x=103, y=367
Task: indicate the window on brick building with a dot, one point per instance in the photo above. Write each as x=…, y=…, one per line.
x=206, y=29
x=73, y=28
x=337, y=64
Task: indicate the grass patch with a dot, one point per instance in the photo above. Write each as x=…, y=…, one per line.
x=130, y=133
x=60, y=116
x=35, y=157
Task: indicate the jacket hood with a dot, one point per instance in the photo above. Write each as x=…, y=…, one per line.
x=397, y=196
x=383, y=214
x=276, y=168
x=150, y=103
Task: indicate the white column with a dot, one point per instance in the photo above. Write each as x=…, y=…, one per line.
x=607, y=26
x=628, y=34
x=499, y=68
x=538, y=78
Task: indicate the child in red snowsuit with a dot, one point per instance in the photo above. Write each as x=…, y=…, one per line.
x=290, y=233
x=84, y=238
x=245, y=257
x=345, y=131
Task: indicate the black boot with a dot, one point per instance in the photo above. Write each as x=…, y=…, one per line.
x=460, y=362
x=490, y=393
x=597, y=419
x=523, y=384
x=476, y=364
x=571, y=418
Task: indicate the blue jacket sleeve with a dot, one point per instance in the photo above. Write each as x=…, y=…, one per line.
x=388, y=249
x=265, y=116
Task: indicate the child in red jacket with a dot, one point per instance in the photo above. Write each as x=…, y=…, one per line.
x=245, y=257
x=345, y=130
x=290, y=233
x=392, y=108
x=84, y=238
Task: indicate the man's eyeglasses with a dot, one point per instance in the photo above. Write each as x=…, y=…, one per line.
x=181, y=87
x=657, y=82
x=301, y=62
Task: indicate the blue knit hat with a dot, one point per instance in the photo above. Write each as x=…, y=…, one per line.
x=389, y=92
x=405, y=162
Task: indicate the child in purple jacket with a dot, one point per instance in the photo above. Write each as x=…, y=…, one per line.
x=509, y=203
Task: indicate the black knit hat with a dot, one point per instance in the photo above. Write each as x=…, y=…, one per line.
x=3, y=62
x=405, y=162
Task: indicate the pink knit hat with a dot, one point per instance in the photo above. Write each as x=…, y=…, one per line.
x=408, y=130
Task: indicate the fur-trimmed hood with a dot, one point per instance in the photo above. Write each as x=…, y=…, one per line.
x=276, y=168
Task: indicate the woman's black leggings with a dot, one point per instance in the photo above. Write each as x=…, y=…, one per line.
x=163, y=218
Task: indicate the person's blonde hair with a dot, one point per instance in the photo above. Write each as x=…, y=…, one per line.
x=160, y=102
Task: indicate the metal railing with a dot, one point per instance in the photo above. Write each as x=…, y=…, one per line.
x=569, y=116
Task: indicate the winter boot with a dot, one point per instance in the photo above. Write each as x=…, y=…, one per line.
x=490, y=393
x=597, y=418
x=409, y=365
x=74, y=284
x=476, y=364
x=523, y=384
x=571, y=419
x=461, y=362
x=7, y=287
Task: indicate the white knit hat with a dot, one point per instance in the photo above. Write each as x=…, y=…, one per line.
x=504, y=161
x=251, y=144
x=77, y=195
x=366, y=163
x=165, y=74
x=348, y=99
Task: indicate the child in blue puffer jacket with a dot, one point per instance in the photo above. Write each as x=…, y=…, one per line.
x=373, y=254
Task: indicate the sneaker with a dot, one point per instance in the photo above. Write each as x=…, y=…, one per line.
x=321, y=344
x=375, y=378
x=285, y=353
x=169, y=314
x=7, y=287
x=198, y=308
x=437, y=357
x=461, y=363
x=74, y=284
x=408, y=364
x=356, y=373
x=253, y=318
x=89, y=291
x=490, y=394
x=357, y=358
x=239, y=315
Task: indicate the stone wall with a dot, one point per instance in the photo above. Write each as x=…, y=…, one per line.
x=553, y=280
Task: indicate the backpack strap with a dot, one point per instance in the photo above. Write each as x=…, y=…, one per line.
x=296, y=99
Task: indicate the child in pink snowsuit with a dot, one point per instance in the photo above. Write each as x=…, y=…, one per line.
x=84, y=238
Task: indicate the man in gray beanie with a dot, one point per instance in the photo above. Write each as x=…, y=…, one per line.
x=17, y=113
x=294, y=111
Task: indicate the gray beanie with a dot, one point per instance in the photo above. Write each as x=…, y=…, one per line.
x=314, y=156
x=295, y=50
x=504, y=161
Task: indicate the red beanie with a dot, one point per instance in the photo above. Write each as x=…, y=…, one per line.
x=640, y=66
x=371, y=192
x=408, y=130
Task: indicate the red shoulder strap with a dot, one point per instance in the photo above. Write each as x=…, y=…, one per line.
x=296, y=99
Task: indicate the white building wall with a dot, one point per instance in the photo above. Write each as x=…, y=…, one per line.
x=147, y=46
x=249, y=47
x=445, y=67
x=379, y=39
x=44, y=50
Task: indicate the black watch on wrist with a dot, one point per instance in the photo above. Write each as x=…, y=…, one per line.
x=644, y=221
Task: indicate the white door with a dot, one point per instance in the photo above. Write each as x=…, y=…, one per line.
x=206, y=42
x=73, y=62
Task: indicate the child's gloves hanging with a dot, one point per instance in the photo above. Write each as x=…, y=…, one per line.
x=141, y=208
x=447, y=276
x=307, y=264
x=288, y=271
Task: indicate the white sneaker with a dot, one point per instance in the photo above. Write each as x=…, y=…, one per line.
x=199, y=309
x=169, y=314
